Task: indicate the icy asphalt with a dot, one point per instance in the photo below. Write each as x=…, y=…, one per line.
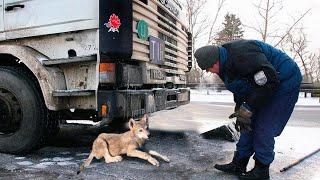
x=175, y=134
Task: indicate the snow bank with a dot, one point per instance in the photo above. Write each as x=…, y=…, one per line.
x=227, y=97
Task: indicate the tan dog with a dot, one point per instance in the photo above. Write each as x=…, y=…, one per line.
x=112, y=146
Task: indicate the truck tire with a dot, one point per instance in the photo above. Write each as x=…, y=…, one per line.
x=23, y=114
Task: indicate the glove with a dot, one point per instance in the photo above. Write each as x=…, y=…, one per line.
x=243, y=122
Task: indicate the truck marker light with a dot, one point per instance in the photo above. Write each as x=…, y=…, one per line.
x=104, y=110
x=107, y=67
x=113, y=24
x=107, y=72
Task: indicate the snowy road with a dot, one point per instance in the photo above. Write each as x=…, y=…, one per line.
x=176, y=134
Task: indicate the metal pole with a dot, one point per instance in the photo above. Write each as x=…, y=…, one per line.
x=300, y=160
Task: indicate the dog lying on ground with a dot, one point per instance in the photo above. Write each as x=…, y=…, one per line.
x=112, y=146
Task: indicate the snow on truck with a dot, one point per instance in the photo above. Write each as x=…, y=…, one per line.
x=102, y=60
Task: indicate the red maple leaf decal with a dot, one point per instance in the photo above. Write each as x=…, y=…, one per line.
x=114, y=21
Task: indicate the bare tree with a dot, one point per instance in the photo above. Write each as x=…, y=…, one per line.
x=197, y=23
x=318, y=68
x=295, y=22
x=268, y=11
x=315, y=66
x=197, y=20
x=211, y=36
x=193, y=77
x=297, y=44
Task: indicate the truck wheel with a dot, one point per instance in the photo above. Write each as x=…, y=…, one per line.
x=23, y=115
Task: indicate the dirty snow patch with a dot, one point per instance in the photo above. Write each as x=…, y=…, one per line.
x=83, y=154
x=45, y=159
x=25, y=163
x=19, y=158
x=43, y=165
x=11, y=167
x=66, y=163
x=65, y=153
x=56, y=159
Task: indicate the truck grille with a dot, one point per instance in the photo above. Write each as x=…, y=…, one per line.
x=162, y=24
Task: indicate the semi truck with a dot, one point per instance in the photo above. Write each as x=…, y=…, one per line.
x=102, y=60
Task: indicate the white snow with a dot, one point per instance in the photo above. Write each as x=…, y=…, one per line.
x=82, y=122
x=11, y=167
x=45, y=159
x=316, y=176
x=308, y=101
x=59, y=159
x=43, y=165
x=66, y=163
x=25, y=163
x=20, y=158
x=227, y=97
x=65, y=153
x=294, y=138
x=82, y=154
x=211, y=96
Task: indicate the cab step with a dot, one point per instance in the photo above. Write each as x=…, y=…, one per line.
x=52, y=62
x=72, y=93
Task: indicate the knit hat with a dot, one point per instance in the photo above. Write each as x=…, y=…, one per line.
x=206, y=56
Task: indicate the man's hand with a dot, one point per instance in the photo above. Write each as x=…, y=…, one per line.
x=243, y=122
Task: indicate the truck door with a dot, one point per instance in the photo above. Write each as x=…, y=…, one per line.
x=25, y=18
x=2, y=36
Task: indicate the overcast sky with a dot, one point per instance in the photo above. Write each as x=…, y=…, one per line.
x=248, y=14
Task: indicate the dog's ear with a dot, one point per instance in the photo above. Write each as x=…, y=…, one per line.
x=145, y=119
x=131, y=123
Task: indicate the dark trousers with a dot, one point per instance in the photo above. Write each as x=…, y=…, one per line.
x=267, y=123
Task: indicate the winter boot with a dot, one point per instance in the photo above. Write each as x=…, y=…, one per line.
x=235, y=167
x=260, y=171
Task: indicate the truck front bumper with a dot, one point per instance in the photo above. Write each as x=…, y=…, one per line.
x=135, y=103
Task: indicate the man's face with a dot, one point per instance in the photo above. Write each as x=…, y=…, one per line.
x=215, y=68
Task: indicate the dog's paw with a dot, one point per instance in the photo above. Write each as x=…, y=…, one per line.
x=153, y=161
x=117, y=158
x=114, y=159
x=165, y=158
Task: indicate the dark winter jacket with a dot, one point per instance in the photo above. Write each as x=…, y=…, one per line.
x=256, y=72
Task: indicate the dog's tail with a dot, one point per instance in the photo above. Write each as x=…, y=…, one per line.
x=86, y=163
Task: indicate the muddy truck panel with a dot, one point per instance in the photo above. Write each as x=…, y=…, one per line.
x=116, y=58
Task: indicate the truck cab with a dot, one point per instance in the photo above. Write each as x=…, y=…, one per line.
x=87, y=59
